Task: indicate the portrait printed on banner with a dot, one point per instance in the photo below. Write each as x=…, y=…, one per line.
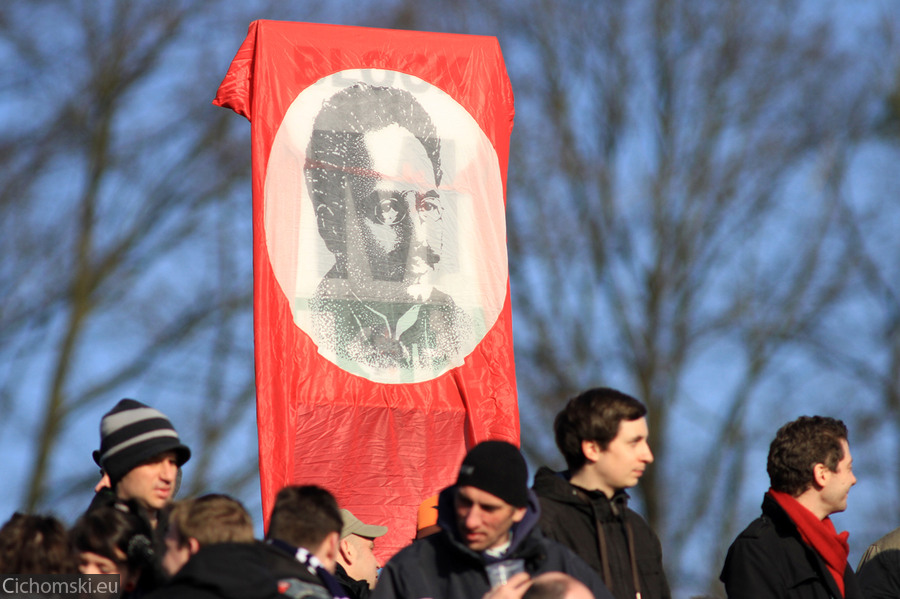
x=400, y=265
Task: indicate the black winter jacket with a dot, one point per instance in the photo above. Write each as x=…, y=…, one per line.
x=441, y=566
x=769, y=559
x=355, y=589
x=242, y=571
x=570, y=516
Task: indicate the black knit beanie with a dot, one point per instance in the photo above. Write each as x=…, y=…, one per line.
x=132, y=433
x=498, y=468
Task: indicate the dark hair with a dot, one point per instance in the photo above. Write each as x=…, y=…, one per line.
x=800, y=445
x=107, y=528
x=36, y=544
x=337, y=159
x=211, y=519
x=594, y=415
x=304, y=516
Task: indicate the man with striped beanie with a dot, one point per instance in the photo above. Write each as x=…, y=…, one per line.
x=140, y=454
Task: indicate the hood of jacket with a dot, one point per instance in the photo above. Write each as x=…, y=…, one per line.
x=523, y=532
x=555, y=486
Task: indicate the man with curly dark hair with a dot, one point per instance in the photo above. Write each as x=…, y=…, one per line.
x=793, y=549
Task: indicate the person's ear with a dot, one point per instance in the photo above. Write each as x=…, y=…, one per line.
x=347, y=551
x=519, y=514
x=591, y=450
x=193, y=545
x=821, y=474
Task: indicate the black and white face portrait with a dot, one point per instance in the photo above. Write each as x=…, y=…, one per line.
x=385, y=225
x=400, y=219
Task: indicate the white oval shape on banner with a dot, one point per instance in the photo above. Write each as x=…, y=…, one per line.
x=385, y=225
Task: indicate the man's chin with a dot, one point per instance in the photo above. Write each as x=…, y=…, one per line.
x=420, y=291
x=158, y=501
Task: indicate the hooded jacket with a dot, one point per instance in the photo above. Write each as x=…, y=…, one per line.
x=770, y=559
x=441, y=566
x=584, y=521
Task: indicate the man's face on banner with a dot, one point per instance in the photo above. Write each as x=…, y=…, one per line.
x=400, y=220
x=392, y=252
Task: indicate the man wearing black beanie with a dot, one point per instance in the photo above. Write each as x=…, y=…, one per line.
x=489, y=531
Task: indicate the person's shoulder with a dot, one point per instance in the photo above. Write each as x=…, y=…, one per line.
x=757, y=529
x=422, y=549
x=553, y=486
x=639, y=522
x=225, y=570
x=411, y=572
x=555, y=552
x=281, y=563
x=889, y=541
x=767, y=540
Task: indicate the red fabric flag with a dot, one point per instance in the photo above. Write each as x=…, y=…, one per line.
x=381, y=294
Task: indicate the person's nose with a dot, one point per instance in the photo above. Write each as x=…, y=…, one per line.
x=417, y=227
x=168, y=471
x=647, y=454
x=473, y=519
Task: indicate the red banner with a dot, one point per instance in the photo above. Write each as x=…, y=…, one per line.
x=381, y=294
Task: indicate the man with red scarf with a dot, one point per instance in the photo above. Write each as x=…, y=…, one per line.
x=793, y=550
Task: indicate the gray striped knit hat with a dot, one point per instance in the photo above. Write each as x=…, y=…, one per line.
x=132, y=433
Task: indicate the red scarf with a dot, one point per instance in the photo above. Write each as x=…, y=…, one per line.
x=818, y=534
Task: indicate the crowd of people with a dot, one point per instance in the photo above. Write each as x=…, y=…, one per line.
x=571, y=535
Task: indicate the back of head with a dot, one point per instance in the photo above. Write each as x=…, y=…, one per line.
x=211, y=519
x=109, y=529
x=594, y=415
x=304, y=516
x=35, y=544
x=554, y=588
x=557, y=585
x=800, y=445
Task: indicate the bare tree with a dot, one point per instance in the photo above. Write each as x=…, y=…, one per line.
x=682, y=233
x=125, y=214
x=130, y=266
x=864, y=345
x=677, y=224
x=680, y=226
